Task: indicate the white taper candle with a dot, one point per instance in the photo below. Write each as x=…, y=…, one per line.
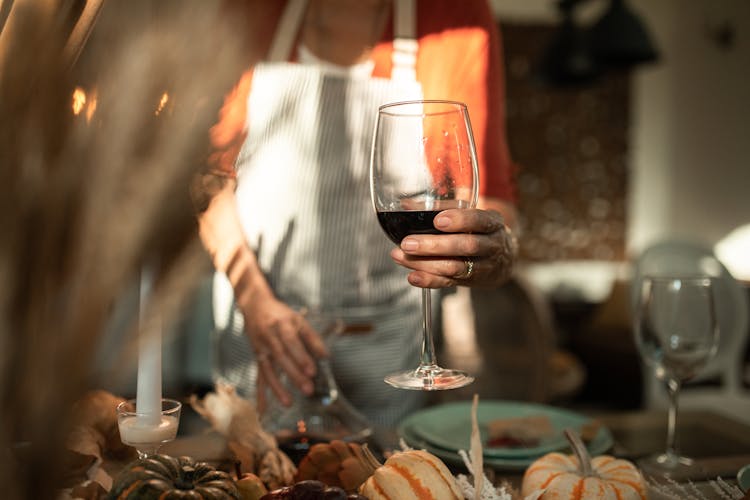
x=148, y=396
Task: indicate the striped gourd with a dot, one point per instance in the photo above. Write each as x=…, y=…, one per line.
x=578, y=477
x=412, y=474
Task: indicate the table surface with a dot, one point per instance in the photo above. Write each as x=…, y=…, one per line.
x=719, y=445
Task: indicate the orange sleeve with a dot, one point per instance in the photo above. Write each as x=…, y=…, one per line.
x=228, y=134
x=460, y=58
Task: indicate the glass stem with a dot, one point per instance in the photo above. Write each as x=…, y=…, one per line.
x=427, y=359
x=673, y=389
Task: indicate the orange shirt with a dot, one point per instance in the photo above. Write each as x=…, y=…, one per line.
x=459, y=58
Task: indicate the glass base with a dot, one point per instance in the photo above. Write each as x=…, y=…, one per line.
x=431, y=378
x=147, y=451
x=668, y=465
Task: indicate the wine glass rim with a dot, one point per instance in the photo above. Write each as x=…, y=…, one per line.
x=384, y=108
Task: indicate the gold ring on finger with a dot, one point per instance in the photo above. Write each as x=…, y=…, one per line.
x=468, y=269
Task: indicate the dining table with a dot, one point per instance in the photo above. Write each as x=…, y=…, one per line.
x=719, y=445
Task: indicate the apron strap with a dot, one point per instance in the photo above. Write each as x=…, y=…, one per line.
x=286, y=32
x=405, y=44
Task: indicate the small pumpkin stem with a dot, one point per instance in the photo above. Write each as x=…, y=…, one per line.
x=584, y=459
x=369, y=459
x=238, y=469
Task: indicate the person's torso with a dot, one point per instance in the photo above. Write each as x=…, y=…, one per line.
x=303, y=183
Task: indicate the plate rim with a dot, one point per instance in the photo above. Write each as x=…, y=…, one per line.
x=602, y=442
x=744, y=472
x=525, y=408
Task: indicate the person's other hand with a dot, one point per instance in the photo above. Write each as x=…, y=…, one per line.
x=478, y=250
x=283, y=341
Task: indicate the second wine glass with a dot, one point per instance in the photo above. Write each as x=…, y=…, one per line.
x=676, y=333
x=423, y=161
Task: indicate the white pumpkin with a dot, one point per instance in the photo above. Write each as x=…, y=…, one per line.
x=561, y=478
x=578, y=477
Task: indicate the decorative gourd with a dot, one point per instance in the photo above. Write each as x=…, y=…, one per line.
x=337, y=463
x=578, y=477
x=311, y=489
x=168, y=478
x=411, y=474
x=250, y=486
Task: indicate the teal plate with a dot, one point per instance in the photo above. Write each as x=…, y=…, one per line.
x=445, y=429
x=448, y=426
x=743, y=478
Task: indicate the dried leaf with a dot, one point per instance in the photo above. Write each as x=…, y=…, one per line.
x=243, y=455
x=476, y=450
x=97, y=410
x=75, y=467
x=89, y=491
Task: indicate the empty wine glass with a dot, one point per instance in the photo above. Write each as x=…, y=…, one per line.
x=677, y=333
x=423, y=161
x=146, y=432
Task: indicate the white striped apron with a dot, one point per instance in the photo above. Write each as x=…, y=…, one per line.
x=304, y=203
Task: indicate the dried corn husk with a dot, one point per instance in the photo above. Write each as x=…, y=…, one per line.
x=482, y=488
x=475, y=451
x=237, y=419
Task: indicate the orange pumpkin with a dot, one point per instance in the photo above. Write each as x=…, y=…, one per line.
x=337, y=463
x=578, y=477
x=411, y=474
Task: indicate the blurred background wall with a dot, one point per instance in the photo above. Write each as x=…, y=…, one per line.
x=657, y=152
x=663, y=150
x=688, y=149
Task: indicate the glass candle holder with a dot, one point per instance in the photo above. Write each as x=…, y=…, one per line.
x=146, y=432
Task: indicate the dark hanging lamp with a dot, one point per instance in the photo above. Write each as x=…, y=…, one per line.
x=620, y=39
x=568, y=61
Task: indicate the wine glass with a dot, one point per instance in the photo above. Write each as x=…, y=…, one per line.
x=423, y=161
x=146, y=432
x=677, y=333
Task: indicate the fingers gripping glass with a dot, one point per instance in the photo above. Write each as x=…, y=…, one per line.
x=423, y=161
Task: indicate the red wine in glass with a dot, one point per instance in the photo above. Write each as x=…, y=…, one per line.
x=298, y=445
x=399, y=224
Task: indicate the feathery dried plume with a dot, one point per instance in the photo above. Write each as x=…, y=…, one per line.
x=89, y=198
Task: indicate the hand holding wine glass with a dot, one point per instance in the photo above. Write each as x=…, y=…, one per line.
x=676, y=333
x=475, y=248
x=423, y=162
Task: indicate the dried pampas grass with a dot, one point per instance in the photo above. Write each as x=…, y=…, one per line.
x=88, y=199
